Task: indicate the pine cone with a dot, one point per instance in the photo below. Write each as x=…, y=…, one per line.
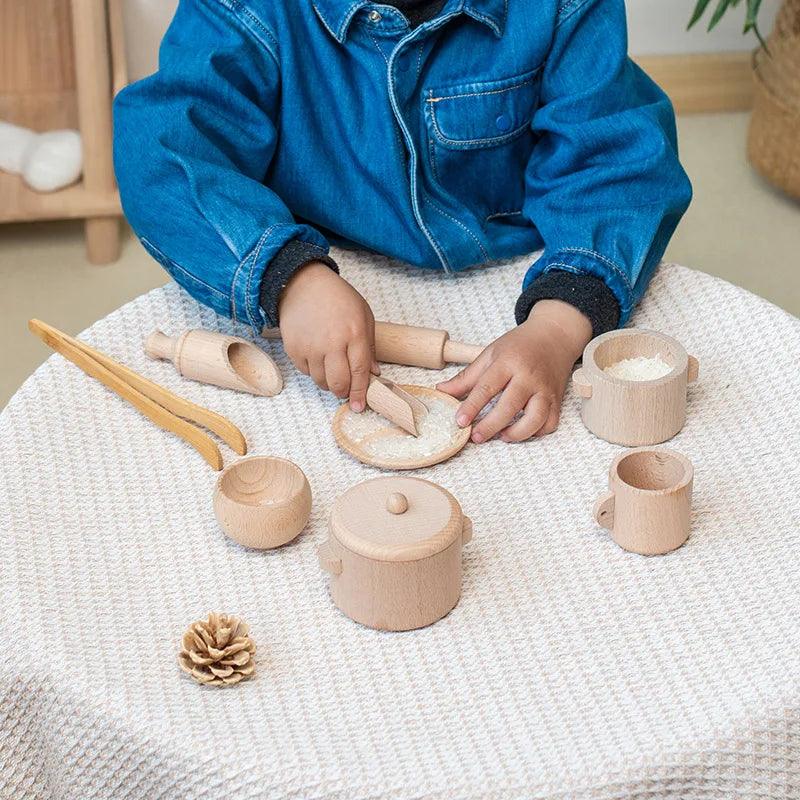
x=218, y=651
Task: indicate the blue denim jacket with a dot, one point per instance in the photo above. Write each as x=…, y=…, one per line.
x=494, y=129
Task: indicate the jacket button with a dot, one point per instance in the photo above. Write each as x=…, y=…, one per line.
x=503, y=122
x=374, y=16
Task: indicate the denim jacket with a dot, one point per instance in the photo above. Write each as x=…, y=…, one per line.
x=497, y=128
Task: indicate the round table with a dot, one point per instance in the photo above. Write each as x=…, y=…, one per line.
x=570, y=668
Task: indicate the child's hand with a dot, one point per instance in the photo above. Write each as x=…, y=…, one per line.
x=530, y=365
x=329, y=332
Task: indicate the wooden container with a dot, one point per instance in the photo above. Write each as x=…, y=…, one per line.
x=262, y=502
x=394, y=552
x=217, y=359
x=628, y=412
x=648, y=509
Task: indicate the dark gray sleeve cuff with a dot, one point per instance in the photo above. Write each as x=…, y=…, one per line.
x=588, y=294
x=287, y=261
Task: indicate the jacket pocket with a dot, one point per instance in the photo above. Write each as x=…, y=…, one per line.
x=480, y=140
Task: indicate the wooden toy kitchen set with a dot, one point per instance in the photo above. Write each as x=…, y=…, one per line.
x=393, y=556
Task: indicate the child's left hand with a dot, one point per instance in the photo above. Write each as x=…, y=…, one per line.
x=529, y=368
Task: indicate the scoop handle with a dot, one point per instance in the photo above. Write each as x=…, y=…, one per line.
x=160, y=346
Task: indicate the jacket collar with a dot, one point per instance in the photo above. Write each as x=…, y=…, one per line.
x=336, y=15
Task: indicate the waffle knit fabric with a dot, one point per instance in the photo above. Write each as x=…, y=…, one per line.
x=570, y=669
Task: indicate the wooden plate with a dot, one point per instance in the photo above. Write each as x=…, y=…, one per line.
x=357, y=450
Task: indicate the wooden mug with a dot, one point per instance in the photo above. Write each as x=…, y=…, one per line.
x=649, y=506
x=634, y=413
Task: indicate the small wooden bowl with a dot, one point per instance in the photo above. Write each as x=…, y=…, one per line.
x=649, y=506
x=358, y=451
x=394, y=552
x=634, y=413
x=262, y=502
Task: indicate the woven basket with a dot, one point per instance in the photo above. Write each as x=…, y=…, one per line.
x=773, y=144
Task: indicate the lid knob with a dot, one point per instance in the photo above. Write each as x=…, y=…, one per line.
x=397, y=503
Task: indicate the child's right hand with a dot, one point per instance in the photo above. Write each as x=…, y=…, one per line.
x=329, y=332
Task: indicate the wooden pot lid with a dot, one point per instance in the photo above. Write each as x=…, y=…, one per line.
x=396, y=519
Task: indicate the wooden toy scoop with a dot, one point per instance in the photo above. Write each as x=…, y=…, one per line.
x=396, y=404
x=413, y=346
x=226, y=361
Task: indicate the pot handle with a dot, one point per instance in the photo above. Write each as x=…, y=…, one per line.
x=693, y=370
x=581, y=383
x=466, y=530
x=328, y=560
x=604, y=511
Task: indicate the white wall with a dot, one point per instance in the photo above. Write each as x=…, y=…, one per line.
x=655, y=27
x=659, y=26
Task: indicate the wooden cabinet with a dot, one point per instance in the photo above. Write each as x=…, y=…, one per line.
x=61, y=61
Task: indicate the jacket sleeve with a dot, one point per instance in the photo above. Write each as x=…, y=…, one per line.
x=604, y=186
x=193, y=144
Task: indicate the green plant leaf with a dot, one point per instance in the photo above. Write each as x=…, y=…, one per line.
x=719, y=12
x=751, y=22
x=751, y=17
x=699, y=10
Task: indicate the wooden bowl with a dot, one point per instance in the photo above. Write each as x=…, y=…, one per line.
x=394, y=552
x=631, y=412
x=262, y=501
x=649, y=506
x=357, y=447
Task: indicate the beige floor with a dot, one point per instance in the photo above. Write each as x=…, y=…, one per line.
x=738, y=228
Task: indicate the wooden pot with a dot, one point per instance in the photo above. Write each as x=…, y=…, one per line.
x=649, y=506
x=262, y=502
x=634, y=413
x=394, y=552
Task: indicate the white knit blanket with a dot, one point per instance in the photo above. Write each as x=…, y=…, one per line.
x=570, y=669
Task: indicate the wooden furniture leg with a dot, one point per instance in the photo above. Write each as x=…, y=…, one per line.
x=91, y=40
x=102, y=240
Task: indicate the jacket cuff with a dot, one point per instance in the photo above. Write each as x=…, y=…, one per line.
x=588, y=294
x=584, y=261
x=290, y=258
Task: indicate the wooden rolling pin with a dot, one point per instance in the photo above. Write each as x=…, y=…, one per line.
x=413, y=346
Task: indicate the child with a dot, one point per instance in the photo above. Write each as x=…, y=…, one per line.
x=444, y=133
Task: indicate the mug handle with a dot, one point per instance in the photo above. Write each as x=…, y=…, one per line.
x=581, y=383
x=604, y=511
x=327, y=559
x=693, y=370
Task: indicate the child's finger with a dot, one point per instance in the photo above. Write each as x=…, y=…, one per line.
x=489, y=384
x=536, y=413
x=360, y=357
x=511, y=402
x=302, y=365
x=317, y=371
x=460, y=384
x=337, y=373
x=551, y=423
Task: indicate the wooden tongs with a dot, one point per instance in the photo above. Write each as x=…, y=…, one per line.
x=396, y=404
x=158, y=404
